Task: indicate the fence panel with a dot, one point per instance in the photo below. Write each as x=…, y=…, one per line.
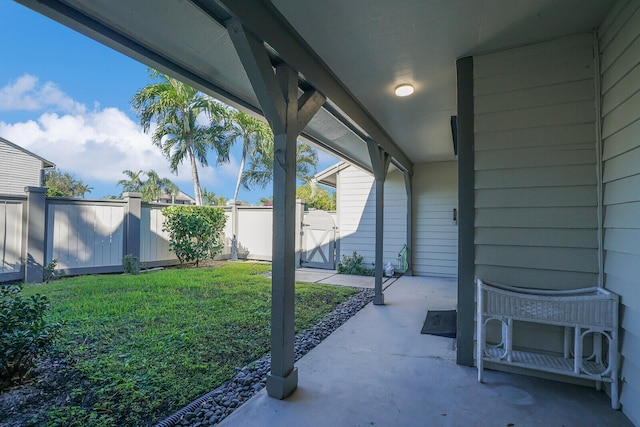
x=11, y=239
x=255, y=232
x=83, y=234
x=154, y=242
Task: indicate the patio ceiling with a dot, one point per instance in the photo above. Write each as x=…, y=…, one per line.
x=354, y=52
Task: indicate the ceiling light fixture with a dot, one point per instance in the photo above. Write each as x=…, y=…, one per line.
x=404, y=90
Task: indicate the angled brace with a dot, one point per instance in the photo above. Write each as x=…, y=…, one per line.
x=380, y=160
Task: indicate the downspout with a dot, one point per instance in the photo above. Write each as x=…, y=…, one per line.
x=599, y=155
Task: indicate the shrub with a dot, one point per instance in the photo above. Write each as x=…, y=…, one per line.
x=49, y=271
x=195, y=232
x=25, y=334
x=353, y=265
x=130, y=264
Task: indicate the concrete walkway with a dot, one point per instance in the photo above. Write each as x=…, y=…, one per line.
x=331, y=277
x=377, y=370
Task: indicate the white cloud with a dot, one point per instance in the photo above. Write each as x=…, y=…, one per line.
x=98, y=145
x=27, y=94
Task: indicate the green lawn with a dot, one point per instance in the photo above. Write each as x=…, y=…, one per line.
x=143, y=346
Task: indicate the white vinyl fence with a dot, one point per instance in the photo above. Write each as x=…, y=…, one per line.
x=92, y=236
x=11, y=237
x=154, y=242
x=85, y=234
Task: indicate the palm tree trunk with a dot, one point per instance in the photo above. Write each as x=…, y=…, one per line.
x=194, y=175
x=242, y=162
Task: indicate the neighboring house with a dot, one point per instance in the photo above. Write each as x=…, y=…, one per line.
x=435, y=196
x=20, y=168
x=180, y=199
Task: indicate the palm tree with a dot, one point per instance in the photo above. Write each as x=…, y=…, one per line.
x=154, y=186
x=256, y=137
x=210, y=198
x=134, y=183
x=178, y=111
x=260, y=171
x=80, y=189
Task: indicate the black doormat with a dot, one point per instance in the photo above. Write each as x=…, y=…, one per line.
x=442, y=323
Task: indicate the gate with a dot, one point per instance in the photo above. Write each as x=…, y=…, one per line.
x=318, y=240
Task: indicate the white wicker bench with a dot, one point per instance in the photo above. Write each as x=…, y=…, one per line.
x=582, y=312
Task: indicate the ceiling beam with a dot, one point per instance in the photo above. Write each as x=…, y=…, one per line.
x=117, y=40
x=267, y=24
x=104, y=32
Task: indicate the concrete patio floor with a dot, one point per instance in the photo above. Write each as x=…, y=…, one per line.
x=378, y=370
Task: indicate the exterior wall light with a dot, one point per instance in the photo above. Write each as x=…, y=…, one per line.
x=404, y=90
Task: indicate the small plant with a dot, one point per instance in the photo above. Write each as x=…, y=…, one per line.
x=26, y=334
x=131, y=264
x=195, y=232
x=49, y=271
x=353, y=265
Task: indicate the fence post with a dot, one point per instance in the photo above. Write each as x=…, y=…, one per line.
x=36, y=234
x=132, y=229
x=234, y=230
x=299, y=221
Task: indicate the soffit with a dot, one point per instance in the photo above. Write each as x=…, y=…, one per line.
x=369, y=45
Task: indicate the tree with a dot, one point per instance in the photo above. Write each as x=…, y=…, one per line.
x=256, y=138
x=260, y=171
x=212, y=200
x=64, y=184
x=134, y=183
x=151, y=188
x=316, y=197
x=266, y=201
x=178, y=112
x=154, y=186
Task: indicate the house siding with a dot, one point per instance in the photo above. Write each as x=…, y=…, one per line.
x=435, y=233
x=356, y=207
x=17, y=170
x=535, y=165
x=619, y=39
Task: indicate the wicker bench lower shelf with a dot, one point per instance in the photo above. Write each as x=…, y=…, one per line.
x=544, y=362
x=583, y=312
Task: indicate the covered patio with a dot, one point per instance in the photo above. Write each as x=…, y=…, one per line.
x=378, y=370
x=533, y=103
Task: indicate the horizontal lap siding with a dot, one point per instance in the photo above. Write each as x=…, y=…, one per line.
x=18, y=170
x=357, y=214
x=535, y=165
x=620, y=52
x=435, y=234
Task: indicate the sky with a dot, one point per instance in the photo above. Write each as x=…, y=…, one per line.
x=66, y=98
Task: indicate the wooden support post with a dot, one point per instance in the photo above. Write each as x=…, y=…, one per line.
x=409, y=189
x=380, y=160
x=466, y=212
x=288, y=114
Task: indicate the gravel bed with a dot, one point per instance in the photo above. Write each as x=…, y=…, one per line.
x=218, y=404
